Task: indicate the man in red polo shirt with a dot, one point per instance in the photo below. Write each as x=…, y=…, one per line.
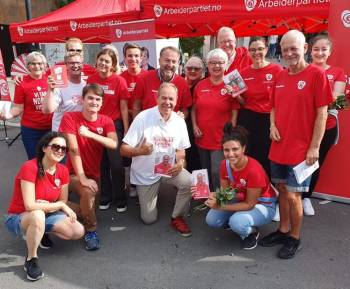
x=146, y=89
x=238, y=58
x=300, y=97
x=88, y=132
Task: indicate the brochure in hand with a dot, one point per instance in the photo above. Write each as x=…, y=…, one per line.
x=235, y=80
x=201, y=181
x=163, y=162
x=59, y=73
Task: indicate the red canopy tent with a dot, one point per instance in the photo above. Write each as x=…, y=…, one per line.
x=91, y=20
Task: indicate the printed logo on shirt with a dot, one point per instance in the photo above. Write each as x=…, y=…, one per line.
x=243, y=182
x=223, y=91
x=248, y=78
x=205, y=90
x=107, y=90
x=162, y=141
x=330, y=76
x=132, y=86
x=301, y=84
x=268, y=76
x=280, y=86
x=77, y=99
x=38, y=97
x=345, y=17
x=99, y=130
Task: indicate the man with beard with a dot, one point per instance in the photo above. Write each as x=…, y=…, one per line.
x=155, y=130
x=146, y=89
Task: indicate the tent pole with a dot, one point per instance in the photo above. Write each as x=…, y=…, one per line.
x=28, y=9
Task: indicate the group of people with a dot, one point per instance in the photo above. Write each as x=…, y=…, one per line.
x=101, y=122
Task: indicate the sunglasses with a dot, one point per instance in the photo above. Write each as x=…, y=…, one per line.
x=75, y=50
x=56, y=148
x=192, y=68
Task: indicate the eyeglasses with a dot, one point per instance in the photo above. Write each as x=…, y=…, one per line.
x=260, y=49
x=75, y=63
x=229, y=41
x=214, y=63
x=192, y=68
x=56, y=148
x=36, y=63
x=75, y=50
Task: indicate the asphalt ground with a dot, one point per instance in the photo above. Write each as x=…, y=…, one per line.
x=137, y=256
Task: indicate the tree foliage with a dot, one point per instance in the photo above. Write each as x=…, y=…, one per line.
x=192, y=45
x=61, y=3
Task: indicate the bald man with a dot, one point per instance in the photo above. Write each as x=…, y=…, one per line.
x=300, y=98
x=238, y=58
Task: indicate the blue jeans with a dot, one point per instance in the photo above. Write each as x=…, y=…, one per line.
x=242, y=222
x=284, y=174
x=30, y=139
x=13, y=222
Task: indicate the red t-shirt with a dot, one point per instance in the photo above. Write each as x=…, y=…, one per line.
x=252, y=176
x=47, y=188
x=31, y=92
x=115, y=89
x=131, y=82
x=259, y=82
x=334, y=74
x=90, y=150
x=146, y=90
x=296, y=99
x=213, y=109
x=241, y=60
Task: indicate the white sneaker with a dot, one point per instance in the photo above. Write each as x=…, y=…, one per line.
x=308, y=208
x=276, y=218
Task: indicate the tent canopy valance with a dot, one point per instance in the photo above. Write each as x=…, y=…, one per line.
x=91, y=20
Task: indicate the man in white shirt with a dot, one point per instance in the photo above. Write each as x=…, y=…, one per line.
x=61, y=100
x=153, y=132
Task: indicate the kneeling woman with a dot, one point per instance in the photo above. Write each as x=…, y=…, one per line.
x=39, y=199
x=254, y=203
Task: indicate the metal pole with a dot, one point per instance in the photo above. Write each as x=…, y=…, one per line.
x=28, y=9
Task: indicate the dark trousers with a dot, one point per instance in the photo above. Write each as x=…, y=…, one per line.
x=112, y=172
x=192, y=155
x=326, y=144
x=30, y=139
x=258, y=126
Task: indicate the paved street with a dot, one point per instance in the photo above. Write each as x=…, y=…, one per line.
x=136, y=256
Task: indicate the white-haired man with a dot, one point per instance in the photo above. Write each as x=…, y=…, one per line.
x=238, y=57
x=299, y=101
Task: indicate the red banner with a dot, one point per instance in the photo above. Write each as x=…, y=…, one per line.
x=132, y=31
x=4, y=88
x=334, y=177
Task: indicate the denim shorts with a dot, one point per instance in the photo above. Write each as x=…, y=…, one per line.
x=284, y=174
x=13, y=222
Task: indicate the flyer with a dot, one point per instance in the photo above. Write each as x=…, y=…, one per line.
x=235, y=80
x=201, y=181
x=163, y=162
x=59, y=74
